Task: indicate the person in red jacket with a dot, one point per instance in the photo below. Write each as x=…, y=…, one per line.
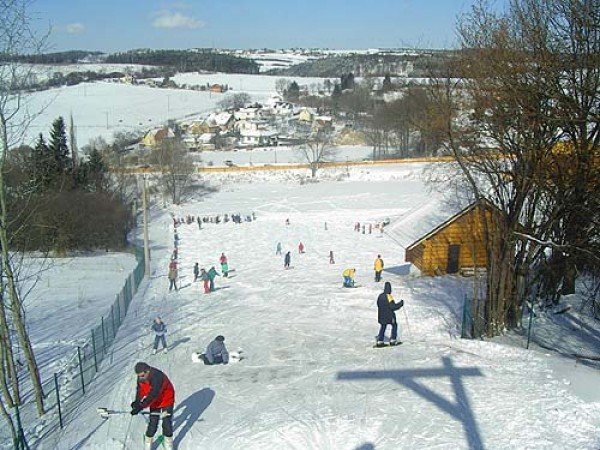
x=154, y=391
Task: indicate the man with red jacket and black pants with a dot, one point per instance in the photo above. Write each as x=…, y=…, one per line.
x=154, y=391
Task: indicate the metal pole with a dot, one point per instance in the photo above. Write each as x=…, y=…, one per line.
x=103, y=338
x=94, y=347
x=530, y=325
x=60, y=419
x=81, y=369
x=112, y=320
x=146, y=238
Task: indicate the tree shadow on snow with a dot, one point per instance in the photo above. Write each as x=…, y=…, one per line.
x=366, y=446
x=221, y=288
x=460, y=409
x=189, y=412
x=402, y=270
x=80, y=444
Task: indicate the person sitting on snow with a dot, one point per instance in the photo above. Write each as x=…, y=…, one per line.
x=348, y=275
x=216, y=352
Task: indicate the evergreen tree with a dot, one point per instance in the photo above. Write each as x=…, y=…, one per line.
x=96, y=171
x=58, y=146
x=292, y=93
x=387, y=83
x=337, y=92
x=41, y=165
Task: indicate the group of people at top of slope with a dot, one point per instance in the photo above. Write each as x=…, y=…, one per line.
x=219, y=218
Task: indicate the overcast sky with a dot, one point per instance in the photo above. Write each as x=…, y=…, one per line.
x=111, y=25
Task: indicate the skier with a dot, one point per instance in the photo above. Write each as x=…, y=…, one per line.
x=212, y=274
x=363, y=228
x=196, y=271
x=370, y=228
x=287, y=260
x=287, y=221
x=173, y=278
x=278, y=250
x=331, y=260
x=216, y=352
x=206, y=280
x=378, y=266
x=325, y=226
x=348, y=275
x=160, y=330
x=224, y=265
x=300, y=247
x=155, y=391
x=386, y=315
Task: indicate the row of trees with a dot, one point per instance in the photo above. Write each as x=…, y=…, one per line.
x=524, y=128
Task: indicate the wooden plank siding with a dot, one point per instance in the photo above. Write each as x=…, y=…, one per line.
x=430, y=253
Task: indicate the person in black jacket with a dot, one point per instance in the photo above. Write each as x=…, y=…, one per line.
x=386, y=307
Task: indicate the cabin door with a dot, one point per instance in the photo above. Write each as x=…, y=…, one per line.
x=453, y=256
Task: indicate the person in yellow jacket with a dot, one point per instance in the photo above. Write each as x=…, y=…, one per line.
x=348, y=275
x=378, y=268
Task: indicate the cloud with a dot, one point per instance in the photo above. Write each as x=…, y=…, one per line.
x=75, y=28
x=172, y=19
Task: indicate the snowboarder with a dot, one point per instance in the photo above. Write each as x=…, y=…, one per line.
x=155, y=391
x=287, y=260
x=278, y=250
x=300, y=247
x=196, y=271
x=212, y=274
x=173, y=278
x=206, y=280
x=386, y=307
x=378, y=266
x=331, y=260
x=216, y=352
x=160, y=331
x=348, y=275
x=224, y=265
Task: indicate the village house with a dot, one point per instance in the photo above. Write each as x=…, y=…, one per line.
x=154, y=137
x=224, y=121
x=217, y=88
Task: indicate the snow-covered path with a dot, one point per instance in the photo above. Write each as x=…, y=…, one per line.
x=310, y=378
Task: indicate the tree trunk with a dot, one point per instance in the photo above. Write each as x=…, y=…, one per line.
x=13, y=294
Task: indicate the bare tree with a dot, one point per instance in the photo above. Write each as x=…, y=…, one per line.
x=176, y=168
x=17, y=37
x=316, y=148
x=235, y=101
x=281, y=85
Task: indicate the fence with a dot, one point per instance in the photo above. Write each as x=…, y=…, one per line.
x=63, y=392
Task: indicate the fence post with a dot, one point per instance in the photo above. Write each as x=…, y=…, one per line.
x=463, y=332
x=118, y=302
x=112, y=320
x=21, y=443
x=94, y=347
x=530, y=324
x=81, y=369
x=103, y=338
x=60, y=418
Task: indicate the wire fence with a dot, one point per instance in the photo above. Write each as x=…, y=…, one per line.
x=65, y=390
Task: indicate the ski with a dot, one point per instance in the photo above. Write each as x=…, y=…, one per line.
x=387, y=344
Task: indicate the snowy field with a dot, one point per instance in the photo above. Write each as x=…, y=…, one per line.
x=66, y=298
x=310, y=378
x=104, y=108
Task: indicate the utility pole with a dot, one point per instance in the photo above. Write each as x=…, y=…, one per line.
x=146, y=240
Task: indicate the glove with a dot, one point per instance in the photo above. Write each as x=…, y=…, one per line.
x=135, y=408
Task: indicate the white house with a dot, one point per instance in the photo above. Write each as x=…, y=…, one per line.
x=257, y=137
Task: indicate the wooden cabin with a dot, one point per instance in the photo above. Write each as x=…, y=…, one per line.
x=456, y=245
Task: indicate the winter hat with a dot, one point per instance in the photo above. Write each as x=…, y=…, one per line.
x=220, y=338
x=387, y=288
x=141, y=367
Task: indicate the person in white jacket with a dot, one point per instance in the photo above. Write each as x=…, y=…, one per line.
x=160, y=332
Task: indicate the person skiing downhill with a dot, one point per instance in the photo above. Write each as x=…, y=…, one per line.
x=331, y=260
x=155, y=391
x=378, y=266
x=386, y=307
x=300, y=247
x=224, y=265
x=160, y=331
x=212, y=274
x=287, y=260
x=278, y=250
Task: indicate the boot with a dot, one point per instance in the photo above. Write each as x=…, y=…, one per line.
x=380, y=344
x=168, y=443
x=154, y=351
x=165, y=350
x=148, y=443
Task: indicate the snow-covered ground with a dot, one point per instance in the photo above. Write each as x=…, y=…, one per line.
x=104, y=108
x=310, y=378
x=66, y=298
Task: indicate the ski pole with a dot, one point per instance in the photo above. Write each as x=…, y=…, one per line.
x=105, y=413
x=407, y=325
